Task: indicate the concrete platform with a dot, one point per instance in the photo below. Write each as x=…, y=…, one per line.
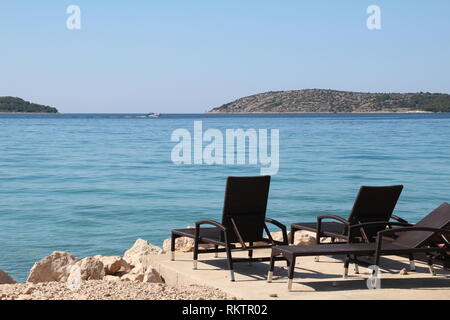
x=313, y=280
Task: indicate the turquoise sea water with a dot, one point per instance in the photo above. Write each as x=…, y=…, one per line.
x=92, y=184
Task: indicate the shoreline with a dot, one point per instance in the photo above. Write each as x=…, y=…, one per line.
x=301, y=112
x=1, y=112
x=379, y=112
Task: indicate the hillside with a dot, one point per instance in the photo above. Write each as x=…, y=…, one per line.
x=332, y=101
x=13, y=105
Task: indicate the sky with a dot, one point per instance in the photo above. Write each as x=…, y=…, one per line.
x=178, y=56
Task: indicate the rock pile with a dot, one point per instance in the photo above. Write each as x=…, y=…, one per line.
x=5, y=278
x=134, y=266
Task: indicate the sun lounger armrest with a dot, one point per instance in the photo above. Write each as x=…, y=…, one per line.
x=399, y=219
x=355, y=227
x=407, y=229
x=281, y=226
x=384, y=233
x=380, y=223
x=276, y=223
x=210, y=222
x=332, y=217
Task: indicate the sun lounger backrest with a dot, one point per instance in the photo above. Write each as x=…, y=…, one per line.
x=375, y=204
x=439, y=218
x=246, y=204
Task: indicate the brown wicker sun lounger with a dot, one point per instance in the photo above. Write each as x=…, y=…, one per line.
x=372, y=204
x=430, y=236
x=243, y=223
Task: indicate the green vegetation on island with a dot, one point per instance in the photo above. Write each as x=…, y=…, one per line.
x=17, y=105
x=333, y=101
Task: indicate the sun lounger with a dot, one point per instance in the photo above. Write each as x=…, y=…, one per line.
x=372, y=204
x=429, y=237
x=243, y=223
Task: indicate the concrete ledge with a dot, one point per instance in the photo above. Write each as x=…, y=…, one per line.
x=313, y=280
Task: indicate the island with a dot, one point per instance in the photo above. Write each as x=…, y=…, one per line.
x=17, y=105
x=333, y=101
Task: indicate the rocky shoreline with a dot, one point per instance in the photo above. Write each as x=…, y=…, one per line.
x=108, y=290
x=335, y=101
x=324, y=112
x=62, y=276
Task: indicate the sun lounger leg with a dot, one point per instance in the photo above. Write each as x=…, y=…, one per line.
x=355, y=260
x=216, y=254
x=291, y=273
x=290, y=285
x=230, y=262
x=196, y=244
x=270, y=276
x=430, y=266
x=345, y=276
x=346, y=264
x=291, y=236
x=172, y=248
x=271, y=268
x=250, y=255
x=412, y=264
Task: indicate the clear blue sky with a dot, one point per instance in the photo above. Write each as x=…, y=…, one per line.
x=189, y=56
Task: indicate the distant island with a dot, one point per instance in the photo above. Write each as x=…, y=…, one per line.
x=333, y=101
x=17, y=105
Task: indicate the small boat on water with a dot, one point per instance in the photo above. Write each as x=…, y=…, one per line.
x=153, y=115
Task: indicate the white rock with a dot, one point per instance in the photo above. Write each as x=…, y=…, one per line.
x=111, y=278
x=29, y=289
x=55, y=267
x=113, y=264
x=136, y=274
x=139, y=258
x=91, y=269
x=144, y=274
x=137, y=253
x=304, y=238
x=151, y=275
x=5, y=278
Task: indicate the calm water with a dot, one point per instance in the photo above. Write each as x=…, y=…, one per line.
x=92, y=184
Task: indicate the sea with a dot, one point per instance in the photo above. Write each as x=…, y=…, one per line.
x=93, y=183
